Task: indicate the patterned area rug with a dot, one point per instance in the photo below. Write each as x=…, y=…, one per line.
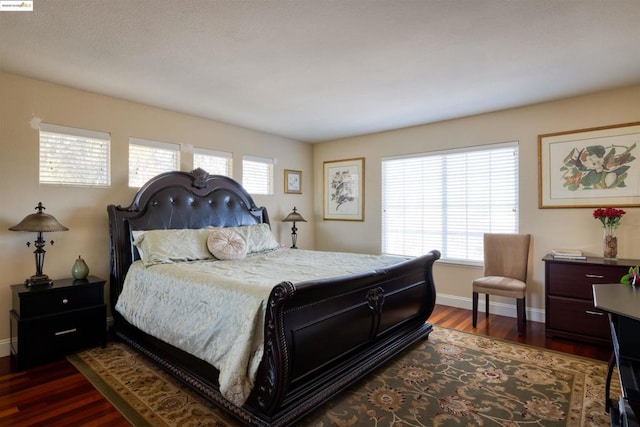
x=454, y=378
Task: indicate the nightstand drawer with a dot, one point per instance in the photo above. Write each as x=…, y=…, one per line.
x=48, y=338
x=33, y=304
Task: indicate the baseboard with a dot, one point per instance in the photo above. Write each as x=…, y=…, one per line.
x=533, y=314
x=5, y=349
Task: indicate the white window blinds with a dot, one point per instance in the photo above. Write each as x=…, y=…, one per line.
x=150, y=158
x=448, y=200
x=214, y=162
x=70, y=156
x=257, y=175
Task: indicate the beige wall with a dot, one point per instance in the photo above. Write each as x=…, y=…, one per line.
x=550, y=228
x=25, y=101
x=83, y=210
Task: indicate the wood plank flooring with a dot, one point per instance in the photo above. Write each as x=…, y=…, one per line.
x=56, y=394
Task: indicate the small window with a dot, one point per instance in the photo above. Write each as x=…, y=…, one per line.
x=448, y=200
x=257, y=175
x=70, y=156
x=214, y=162
x=150, y=158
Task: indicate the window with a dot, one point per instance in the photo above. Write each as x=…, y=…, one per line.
x=70, y=156
x=257, y=175
x=448, y=200
x=150, y=158
x=214, y=162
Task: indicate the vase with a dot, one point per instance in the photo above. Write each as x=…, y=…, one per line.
x=80, y=269
x=610, y=243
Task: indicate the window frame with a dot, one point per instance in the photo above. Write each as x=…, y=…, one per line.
x=434, y=216
x=217, y=154
x=148, y=143
x=248, y=185
x=71, y=160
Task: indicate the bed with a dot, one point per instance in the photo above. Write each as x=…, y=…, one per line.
x=318, y=336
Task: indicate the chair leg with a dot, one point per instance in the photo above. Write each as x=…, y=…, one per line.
x=474, y=306
x=522, y=316
x=486, y=305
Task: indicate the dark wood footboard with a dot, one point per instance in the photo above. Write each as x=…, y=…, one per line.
x=322, y=336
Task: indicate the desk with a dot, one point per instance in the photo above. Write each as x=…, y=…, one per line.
x=622, y=302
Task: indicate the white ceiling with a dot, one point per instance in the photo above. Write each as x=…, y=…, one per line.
x=316, y=70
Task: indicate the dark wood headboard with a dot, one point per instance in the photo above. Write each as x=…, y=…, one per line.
x=176, y=200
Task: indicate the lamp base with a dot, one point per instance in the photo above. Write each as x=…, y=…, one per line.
x=38, y=280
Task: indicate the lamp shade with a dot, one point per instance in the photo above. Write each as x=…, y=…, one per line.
x=294, y=216
x=39, y=221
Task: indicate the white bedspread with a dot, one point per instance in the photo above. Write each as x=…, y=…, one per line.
x=215, y=310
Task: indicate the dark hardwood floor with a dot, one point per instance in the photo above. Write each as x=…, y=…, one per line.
x=58, y=395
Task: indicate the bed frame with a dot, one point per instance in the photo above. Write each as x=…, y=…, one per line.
x=320, y=336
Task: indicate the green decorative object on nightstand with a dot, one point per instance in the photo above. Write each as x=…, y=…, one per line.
x=80, y=269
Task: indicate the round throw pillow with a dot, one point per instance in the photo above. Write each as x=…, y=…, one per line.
x=226, y=244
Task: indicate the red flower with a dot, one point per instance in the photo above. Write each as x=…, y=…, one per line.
x=609, y=217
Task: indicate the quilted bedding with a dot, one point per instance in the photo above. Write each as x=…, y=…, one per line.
x=215, y=309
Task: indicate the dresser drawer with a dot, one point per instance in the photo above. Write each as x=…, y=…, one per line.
x=577, y=317
x=59, y=300
x=575, y=280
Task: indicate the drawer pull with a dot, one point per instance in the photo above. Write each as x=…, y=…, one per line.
x=68, y=331
x=595, y=313
x=65, y=301
x=594, y=276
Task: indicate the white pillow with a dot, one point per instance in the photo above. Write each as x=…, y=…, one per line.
x=225, y=244
x=174, y=245
x=259, y=237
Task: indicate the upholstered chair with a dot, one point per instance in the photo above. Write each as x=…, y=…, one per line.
x=506, y=258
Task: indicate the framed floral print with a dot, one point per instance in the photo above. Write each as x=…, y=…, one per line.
x=292, y=181
x=592, y=167
x=344, y=190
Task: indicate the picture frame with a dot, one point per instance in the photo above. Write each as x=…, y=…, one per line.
x=343, y=190
x=594, y=167
x=292, y=181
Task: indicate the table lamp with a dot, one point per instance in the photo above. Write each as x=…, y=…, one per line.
x=39, y=222
x=293, y=217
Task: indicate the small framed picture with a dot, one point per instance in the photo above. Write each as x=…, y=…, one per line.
x=292, y=181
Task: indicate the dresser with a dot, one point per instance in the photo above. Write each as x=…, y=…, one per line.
x=569, y=308
x=50, y=321
x=622, y=302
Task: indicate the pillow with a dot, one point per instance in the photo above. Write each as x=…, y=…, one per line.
x=259, y=237
x=134, y=236
x=169, y=246
x=226, y=243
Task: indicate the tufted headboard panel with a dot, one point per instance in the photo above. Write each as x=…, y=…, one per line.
x=176, y=200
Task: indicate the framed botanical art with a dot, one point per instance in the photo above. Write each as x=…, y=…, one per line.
x=592, y=167
x=344, y=190
x=292, y=181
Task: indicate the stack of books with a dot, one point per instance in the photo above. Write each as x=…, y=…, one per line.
x=568, y=254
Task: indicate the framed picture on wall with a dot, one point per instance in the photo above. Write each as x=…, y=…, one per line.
x=344, y=190
x=292, y=181
x=592, y=167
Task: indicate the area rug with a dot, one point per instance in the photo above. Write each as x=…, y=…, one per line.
x=453, y=378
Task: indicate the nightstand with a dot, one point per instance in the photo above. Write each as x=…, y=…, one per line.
x=49, y=322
